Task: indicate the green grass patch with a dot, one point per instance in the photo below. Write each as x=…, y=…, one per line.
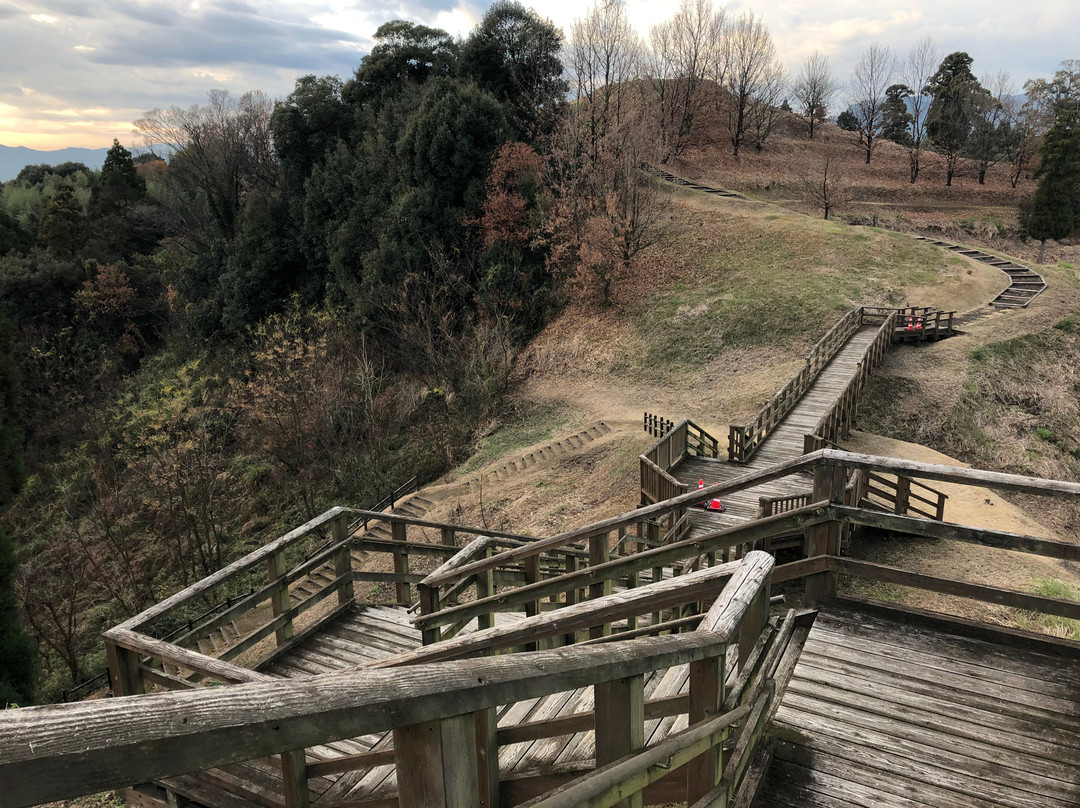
x=1047, y=623
x=531, y=425
x=775, y=283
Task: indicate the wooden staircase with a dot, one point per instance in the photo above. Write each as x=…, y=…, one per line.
x=1026, y=283
x=552, y=451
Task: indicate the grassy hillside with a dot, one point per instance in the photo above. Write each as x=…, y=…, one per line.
x=709, y=326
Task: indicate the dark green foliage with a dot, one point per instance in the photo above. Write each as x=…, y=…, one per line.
x=404, y=53
x=37, y=285
x=12, y=237
x=897, y=119
x=514, y=55
x=1055, y=212
x=266, y=267
x=119, y=184
x=305, y=126
x=951, y=114
x=11, y=468
x=35, y=174
x=17, y=652
x=63, y=227
x=847, y=121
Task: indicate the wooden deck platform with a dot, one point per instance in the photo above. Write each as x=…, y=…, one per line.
x=882, y=711
x=785, y=443
x=369, y=633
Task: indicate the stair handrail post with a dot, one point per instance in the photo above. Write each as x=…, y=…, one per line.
x=830, y=481
x=343, y=558
x=276, y=573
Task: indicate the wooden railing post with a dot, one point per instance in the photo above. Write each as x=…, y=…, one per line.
x=438, y=763
x=294, y=779
x=429, y=604
x=707, y=678
x=279, y=601
x=532, y=576
x=124, y=670
x=903, y=494
x=402, y=590
x=485, y=588
x=342, y=559
x=619, y=717
x=753, y=623
x=599, y=553
x=824, y=539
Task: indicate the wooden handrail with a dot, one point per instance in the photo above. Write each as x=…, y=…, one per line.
x=647, y=559
x=744, y=440
x=629, y=518
x=188, y=730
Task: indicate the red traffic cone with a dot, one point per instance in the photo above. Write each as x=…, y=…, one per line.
x=700, y=484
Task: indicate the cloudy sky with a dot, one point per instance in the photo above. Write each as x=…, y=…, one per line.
x=78, y=72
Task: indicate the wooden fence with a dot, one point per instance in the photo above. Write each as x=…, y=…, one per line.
x=439, y=700
x=681, y=440
x=837, y=420
x=140, y=661
x=743, y=441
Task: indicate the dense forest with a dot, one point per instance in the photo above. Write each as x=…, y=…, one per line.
x=283, y=305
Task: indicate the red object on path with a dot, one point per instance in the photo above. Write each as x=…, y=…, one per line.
x=714, y=505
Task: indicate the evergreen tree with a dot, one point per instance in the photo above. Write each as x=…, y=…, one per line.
x=62, y=228
x=897, y=118
x=951, y=115
x=1055, y=205
x=119, y=184
x=514, y=55
x=847, y=121
x=17, y=652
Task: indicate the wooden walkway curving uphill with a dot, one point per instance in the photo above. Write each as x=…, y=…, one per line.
x=784, y=443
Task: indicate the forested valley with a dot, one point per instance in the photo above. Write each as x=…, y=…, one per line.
x=278, y=306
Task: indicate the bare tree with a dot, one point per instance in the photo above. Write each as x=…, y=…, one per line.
x=222, y=149
x=992, y=125
x=1027, y=123
x=814, y=89
x=604, y=56
x=751, y=59
x=765, y=104
x=916, y=72
x=827, y=189
x=872, y=77
x=684, y=54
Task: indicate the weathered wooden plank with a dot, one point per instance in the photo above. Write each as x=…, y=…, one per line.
x=973, y=706
x=871, y=747
x=185, y=731
x=611, y=783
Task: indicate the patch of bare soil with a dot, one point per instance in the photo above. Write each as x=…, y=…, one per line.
x=973, y=506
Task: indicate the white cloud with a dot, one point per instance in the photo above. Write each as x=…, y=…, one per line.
x=148, y=53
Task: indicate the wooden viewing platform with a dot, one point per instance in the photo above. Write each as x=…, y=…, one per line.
x=596, y=667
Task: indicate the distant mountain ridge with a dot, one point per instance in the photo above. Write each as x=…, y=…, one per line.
x=14, y=158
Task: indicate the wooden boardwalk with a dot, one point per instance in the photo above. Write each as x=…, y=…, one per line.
x=785, y=443
x=883, y=711
x=367, y=634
